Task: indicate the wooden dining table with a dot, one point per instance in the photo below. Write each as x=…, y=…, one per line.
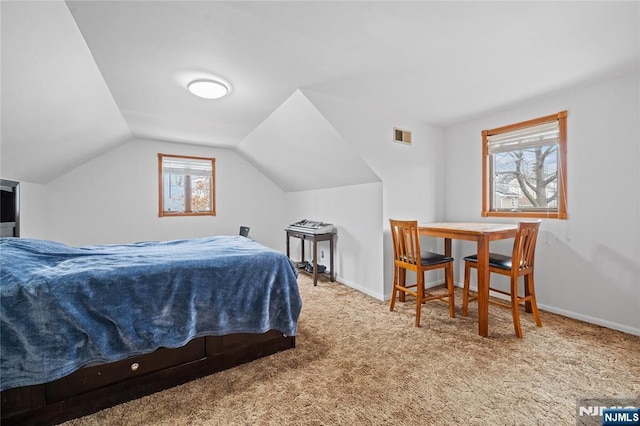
x=482, y=233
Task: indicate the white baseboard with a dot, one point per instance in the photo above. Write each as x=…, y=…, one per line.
x=569, y=314
x=591, y=320
x=361, y=289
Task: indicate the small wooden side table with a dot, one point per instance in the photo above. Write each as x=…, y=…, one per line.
x=308, y=236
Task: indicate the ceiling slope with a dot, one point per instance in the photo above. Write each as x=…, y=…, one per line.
x=438, y=61
x=57, y=111
x=148, y=51
x=79, y=77
x=298, y=149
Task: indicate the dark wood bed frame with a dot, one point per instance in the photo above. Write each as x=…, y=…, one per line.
x=92, y=389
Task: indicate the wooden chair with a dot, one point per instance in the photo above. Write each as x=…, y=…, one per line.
x=408, y=256
x=523, y=255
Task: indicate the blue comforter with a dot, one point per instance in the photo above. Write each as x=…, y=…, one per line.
x=65, y=307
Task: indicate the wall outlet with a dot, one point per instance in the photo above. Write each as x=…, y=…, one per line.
x=321, y=254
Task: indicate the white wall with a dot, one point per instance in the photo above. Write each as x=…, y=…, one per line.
x=114, y=199
x=412, y=175
x=587, y=267
x=356, y=212
x=32, y=209
x=299, y=150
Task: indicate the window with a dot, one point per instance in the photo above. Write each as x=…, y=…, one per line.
x=187, y=185
x=524, y=169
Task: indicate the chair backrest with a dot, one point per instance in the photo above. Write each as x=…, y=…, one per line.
x=524, y=247
x=406, y=242
x=244, y=231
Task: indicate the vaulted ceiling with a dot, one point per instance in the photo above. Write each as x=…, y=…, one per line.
x=80, y=77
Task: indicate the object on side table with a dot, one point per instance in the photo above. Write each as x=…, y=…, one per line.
x=311, y=227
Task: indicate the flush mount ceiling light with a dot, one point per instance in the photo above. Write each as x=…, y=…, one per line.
x=208, y=89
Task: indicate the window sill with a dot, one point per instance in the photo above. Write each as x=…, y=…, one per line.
x=167, y=214
x=525, y=214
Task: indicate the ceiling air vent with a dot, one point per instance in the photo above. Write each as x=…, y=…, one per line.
x=403, y=136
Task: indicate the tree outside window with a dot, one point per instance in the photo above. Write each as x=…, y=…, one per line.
x=524, y=169
x=186, y=185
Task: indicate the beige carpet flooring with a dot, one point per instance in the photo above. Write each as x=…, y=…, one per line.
x=356, y=363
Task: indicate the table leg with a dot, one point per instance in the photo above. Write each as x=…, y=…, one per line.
x=288, y=247
x=315, y=262
x=333, y=274
x=483, y=286
x=447, y=247
x=447, y=252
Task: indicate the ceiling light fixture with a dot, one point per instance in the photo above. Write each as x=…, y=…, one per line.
x=208, y=89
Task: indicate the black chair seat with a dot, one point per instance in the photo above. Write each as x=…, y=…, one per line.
x=496, y=260
x=429, y=258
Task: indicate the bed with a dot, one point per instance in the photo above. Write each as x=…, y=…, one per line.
x=85, y=328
